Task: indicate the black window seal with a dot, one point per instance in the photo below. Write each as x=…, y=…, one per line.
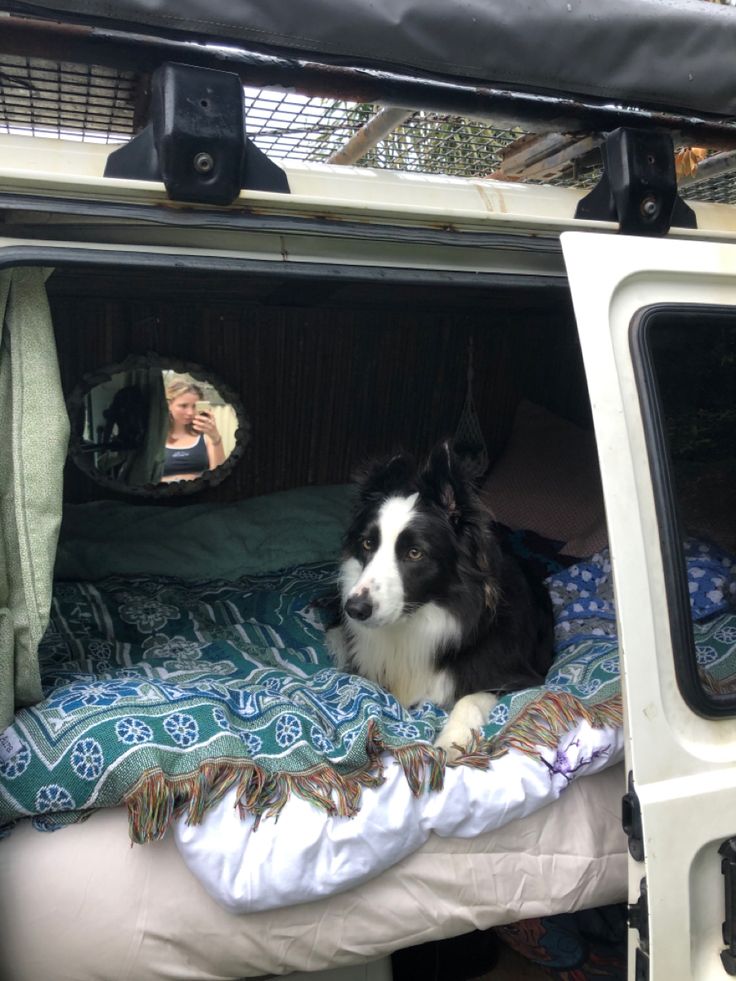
x=58, y=256
x=709, y=705
x=447, y=236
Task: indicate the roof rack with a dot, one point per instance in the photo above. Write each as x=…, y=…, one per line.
x=94, y=84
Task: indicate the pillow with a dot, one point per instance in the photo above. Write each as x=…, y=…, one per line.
x=547, y=481
x=203, y=541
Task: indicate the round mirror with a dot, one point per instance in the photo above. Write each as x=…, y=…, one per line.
x=155, y=427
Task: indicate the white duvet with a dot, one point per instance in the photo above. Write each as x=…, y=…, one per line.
x=306, y=855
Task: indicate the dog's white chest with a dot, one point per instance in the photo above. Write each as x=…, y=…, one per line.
x=402, y=656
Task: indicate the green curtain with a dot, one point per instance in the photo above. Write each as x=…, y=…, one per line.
x=34, y=435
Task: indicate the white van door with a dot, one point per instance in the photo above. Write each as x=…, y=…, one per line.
x=657, y=325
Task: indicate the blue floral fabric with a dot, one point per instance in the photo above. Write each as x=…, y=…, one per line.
x=145, y=676
x=582, y=595
x=586, y=664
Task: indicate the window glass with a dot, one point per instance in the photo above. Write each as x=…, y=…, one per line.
x=692, y=355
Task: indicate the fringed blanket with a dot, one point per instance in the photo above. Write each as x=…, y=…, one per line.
x=166, y=696
x=163, y=695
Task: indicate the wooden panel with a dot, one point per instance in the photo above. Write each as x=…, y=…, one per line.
x=326, y=386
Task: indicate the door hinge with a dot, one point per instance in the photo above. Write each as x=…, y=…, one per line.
x=638, y=917
x=727, y=851
x=631, y=821
x=638, y=186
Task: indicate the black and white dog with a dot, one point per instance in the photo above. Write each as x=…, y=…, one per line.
x=433, y=607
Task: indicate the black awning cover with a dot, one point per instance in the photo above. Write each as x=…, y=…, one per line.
x=675, y=54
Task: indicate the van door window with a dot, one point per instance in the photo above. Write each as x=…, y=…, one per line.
x=686, y=372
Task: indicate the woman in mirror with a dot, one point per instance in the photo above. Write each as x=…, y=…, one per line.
x=193, y=443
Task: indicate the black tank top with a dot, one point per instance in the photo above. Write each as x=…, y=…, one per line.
x=186, y=459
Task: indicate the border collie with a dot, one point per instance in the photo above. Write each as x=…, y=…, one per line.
x=432, y=606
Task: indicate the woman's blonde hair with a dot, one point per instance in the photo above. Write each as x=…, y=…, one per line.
x=180, y=387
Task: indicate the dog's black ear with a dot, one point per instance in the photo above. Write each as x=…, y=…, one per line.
x=443, y=483
x=385, y=476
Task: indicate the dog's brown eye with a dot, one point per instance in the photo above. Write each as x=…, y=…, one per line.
x=414, y=554
x=368, y=544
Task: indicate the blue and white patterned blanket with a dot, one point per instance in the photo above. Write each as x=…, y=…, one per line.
x=165, y=695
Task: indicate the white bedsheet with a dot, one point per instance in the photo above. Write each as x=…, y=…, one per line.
x=83, y=905
x=306, y=855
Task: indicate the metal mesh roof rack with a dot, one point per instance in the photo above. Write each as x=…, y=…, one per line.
x=720, y=190
x=288, y=126
x=99, y=104
x=47, y=98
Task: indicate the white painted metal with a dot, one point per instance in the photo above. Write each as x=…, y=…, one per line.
x=67, y=169
x=684, y=766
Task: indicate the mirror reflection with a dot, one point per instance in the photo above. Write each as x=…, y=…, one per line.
x=147, y=425
x=201, y=428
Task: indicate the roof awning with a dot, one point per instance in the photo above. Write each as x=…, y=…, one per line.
x=673, y=54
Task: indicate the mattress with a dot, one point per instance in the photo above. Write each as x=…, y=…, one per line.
x=83, y=904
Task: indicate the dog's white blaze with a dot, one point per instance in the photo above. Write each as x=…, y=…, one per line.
x=350, y=572
x=401, y=656
x=381, y=578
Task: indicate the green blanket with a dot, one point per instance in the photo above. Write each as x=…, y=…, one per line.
x=203, y=541
x=164, y=694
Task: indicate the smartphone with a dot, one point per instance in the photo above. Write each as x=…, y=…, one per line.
x=203, y=407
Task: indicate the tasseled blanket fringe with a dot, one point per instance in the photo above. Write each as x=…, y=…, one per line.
x=543, y=722
x=156, y=799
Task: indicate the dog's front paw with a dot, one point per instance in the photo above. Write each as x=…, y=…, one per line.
x=454, y=739
x=469, y=713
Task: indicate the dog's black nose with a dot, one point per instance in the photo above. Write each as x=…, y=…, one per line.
x=359, y=607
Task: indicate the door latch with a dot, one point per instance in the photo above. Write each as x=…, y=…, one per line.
x=727, y=851
x=631, y=821
x=638, y=917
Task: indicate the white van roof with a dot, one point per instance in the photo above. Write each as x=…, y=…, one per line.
x=51, y=170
